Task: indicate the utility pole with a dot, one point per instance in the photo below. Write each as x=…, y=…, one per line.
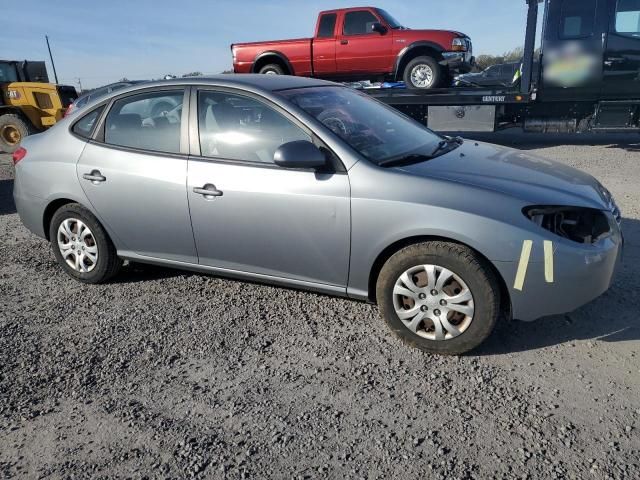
x=79, y=84
x=55, y=75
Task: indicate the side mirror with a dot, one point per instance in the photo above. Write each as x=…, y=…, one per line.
x=299, y=154
x=378, y=27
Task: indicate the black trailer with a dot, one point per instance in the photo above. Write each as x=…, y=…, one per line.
x=587, y=78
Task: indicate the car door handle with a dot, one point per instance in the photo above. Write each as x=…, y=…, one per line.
x=344, y=42
x=209, y=191
x=94, y=177
x=611, y=60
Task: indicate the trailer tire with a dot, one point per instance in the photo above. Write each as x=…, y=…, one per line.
x=13, y=128
x=272, y=69
x=423, y=73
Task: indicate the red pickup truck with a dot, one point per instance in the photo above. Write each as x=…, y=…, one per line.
x=362, y=43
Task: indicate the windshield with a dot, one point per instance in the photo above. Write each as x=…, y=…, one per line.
x=374, y=130
x=8, y=72
x=392, y=22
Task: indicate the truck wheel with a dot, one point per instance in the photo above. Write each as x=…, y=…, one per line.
x=439, y=297
x=423, y=73
x=12, y=130
x=272, y=69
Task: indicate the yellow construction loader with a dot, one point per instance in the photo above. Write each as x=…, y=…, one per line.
x=28, y=102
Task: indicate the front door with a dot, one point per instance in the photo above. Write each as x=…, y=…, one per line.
x=573, y=50
x=622, y=56
x=250, y=215
x=361, y=50
x=134, y=175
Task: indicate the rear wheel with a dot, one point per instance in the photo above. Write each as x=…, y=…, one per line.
x=439, y=297
x=423, y=73
x=81, y=246
x=272, y=69
x=13, y=128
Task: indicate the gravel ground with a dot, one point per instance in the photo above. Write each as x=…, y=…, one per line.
x=172, y=374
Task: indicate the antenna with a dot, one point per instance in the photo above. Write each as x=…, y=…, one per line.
x=51, y=57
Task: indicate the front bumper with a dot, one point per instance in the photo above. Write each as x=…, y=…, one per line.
x=458, y=62
x=580, y=275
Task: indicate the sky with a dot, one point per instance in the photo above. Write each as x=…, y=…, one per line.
x=99, y=42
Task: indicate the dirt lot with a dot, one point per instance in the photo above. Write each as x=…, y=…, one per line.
x=171, y=374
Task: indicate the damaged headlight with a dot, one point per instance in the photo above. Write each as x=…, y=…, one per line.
x=582, y=225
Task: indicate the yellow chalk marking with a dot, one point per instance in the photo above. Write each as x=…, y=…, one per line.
x=548, y=261
x=524, y=263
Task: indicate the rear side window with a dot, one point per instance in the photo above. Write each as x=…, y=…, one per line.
x=359, y=22
x=628, y=17
x=84, y=127
x=577, y=18
x=327, y=25
x=236, y=127
x=148, y=121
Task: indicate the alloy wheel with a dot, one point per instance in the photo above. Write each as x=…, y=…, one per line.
x=433, y=302
x=422, y=76
x=77, y=245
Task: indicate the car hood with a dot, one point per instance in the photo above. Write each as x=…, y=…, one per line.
x=534, y=180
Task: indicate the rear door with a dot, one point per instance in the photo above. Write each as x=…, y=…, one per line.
x=134, y=173
x=324, y=45
x=260, y=218
x=622, y=56
x=360, y=50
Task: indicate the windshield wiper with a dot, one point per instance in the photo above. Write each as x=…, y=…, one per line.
x=443, y=146
x=405, y=160
x=446, y=143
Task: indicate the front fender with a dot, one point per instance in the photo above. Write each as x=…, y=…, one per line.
x=406, y=52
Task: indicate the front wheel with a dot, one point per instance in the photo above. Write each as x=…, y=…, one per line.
x=439, y=297
x=423, y=73
x=81, y=246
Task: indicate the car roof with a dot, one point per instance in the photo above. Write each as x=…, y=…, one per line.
x=271, y=83
x=257, y=83
x=93, y=91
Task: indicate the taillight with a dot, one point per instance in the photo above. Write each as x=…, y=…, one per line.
x=19, y=154
x=459, y=45
x=68, y=110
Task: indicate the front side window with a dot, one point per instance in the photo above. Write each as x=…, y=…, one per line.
x=237, y=127
x=149, y=121
x=374, y=130
x=577, y=18
x=359, y=22
x=628, y=17
x=327, y=25
x=84, y=127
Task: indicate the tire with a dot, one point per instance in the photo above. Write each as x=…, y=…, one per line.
x=272, y=69
x=470, y=273
x=106, y=264
x=13, y=128
x=429, y=64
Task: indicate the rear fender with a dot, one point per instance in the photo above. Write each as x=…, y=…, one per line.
x=262, y=59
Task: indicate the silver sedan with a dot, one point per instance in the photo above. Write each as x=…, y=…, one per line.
x=308, y=184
